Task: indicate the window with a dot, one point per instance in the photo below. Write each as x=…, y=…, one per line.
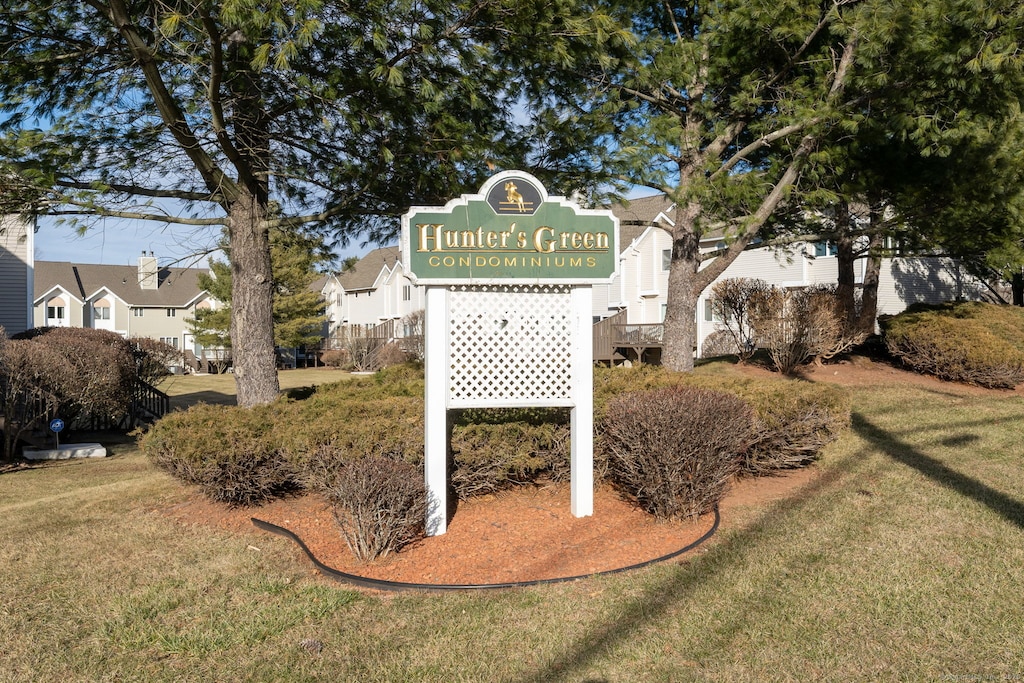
x=825, y=249
x=407, y=293
x=101, y=312
x=710, y=314
x=666, y=259
x=54, y=312
x=170, y=312
x=173, y=341
x=137, y=312
x=893, y=245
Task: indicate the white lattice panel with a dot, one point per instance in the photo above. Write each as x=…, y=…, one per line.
x=510, y=345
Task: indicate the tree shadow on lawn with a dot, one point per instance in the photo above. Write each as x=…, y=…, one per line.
x=633, y=616
x=654, y=603
x=183, y=401
x=1008, y=507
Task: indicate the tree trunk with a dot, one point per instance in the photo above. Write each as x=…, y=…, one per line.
x=845, y=255
x=680, y=331
x=252, y=321
x=869, y=290
x=1017, y=288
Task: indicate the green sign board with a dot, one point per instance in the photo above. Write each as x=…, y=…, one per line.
x=510, y=232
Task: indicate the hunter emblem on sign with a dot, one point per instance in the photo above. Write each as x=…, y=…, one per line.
x=514, y=196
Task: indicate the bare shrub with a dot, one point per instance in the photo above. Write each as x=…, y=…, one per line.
x=674, y=449
x=796, y=325
x=380, y=504
x=154, y=357
x=412, y=334
x=360, y=350
x=90, y=372
x=731, y=301
x=829, y=332
x=841, y=333
x=335, y=358
x=719, y=343
x=793, y=420
x=26, y=401
x=388, y=355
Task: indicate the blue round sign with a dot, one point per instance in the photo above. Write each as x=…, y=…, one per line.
x=56, y=424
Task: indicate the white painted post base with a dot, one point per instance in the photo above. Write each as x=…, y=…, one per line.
x=435, y=437
x=581, y=477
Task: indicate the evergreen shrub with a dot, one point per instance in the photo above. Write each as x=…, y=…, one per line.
x=228, y=452
x=248, y=456
x=674, y=450
x=793, y=420
x=974, y=343
x=497, y=449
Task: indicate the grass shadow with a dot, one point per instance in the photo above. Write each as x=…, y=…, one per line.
x=1008, y=507
x=657, y=601
x=183, y=401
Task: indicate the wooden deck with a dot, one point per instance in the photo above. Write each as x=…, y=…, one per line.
x=615, y=341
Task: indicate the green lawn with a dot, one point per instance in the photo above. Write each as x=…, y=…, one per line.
x=904, y=560
x=186, y=390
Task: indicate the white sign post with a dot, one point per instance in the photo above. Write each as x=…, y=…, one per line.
x=508, y=276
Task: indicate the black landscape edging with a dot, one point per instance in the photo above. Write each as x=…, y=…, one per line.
x=381, y=584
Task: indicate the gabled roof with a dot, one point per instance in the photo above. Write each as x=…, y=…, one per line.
x=178, y=287
x=639, y=215
x=318, y=285
x=363, y=275
x=55, y=290
x=641, y=211
x=635, y=215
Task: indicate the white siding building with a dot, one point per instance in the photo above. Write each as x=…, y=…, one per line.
x=378, y=290
x=17, y=271
x=902, y=281
x=375, y=291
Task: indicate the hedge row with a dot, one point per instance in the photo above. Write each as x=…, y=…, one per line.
x=306, y=441
x=973, y=342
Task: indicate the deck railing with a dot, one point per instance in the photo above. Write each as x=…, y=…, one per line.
x=648, y=334
x=612, y=334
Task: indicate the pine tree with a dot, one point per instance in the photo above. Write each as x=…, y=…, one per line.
x=298, y=310
x=254, y=116
x=725, y=106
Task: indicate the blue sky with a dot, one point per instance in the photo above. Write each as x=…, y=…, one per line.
x=121, y=242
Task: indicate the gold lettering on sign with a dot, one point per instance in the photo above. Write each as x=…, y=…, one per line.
x=435, y=238
x=544, y=245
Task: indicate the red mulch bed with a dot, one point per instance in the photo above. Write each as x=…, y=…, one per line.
x=530, y=533
x=519, y=535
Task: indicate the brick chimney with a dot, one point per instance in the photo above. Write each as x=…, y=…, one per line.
x=148, y=277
